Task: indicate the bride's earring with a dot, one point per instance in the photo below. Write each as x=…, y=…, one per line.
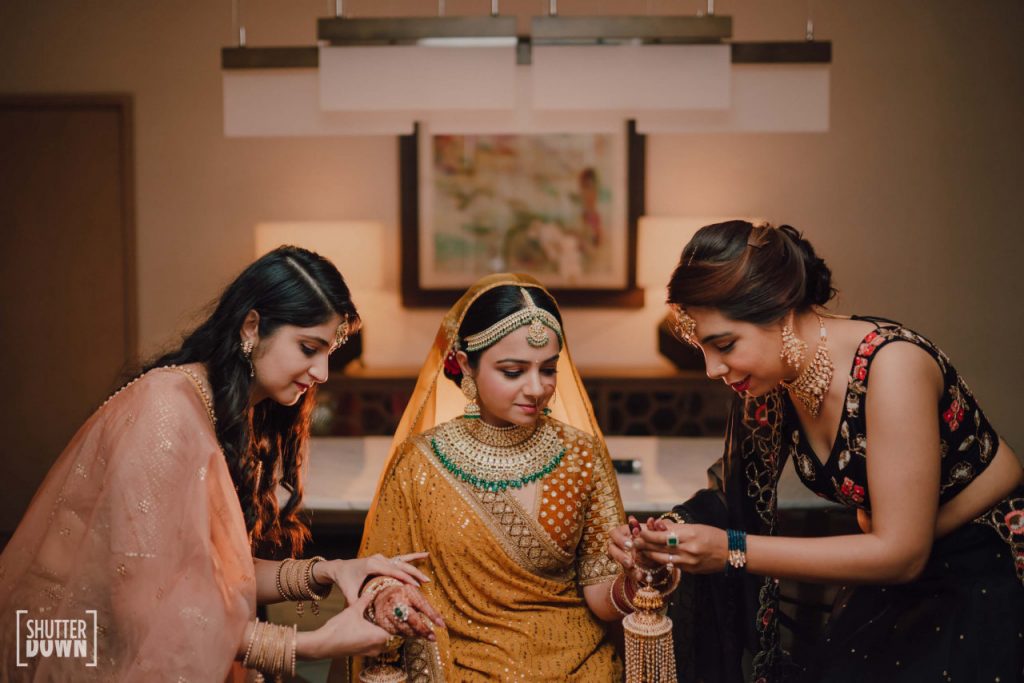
x=547, y=408
x=472, y=410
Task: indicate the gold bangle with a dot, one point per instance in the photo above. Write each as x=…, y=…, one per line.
x=379, y=583
x=674, y=516
x=314, y=596
x=295, y=647
x=257, y=649
x=673, y=584
x=277, y=581
x=373, y=587
x=252, y=637
x=311, y=583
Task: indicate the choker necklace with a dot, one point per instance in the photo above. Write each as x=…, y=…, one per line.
x=497, y=458
x=811, y=385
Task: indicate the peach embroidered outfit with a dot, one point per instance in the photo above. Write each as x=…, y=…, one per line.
x=139, y=520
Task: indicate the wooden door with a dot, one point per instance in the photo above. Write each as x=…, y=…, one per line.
x=67, y=276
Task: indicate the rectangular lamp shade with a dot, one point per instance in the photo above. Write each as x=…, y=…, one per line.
x=286, y=102
x=354, y=247
x=766, y=98
x=631, y=77
x=417, y=77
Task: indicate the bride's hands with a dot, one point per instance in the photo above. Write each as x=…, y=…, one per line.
x=418, y=613
x=349, y=575
x=345, y=634
x=621, y=548
x=699, y=549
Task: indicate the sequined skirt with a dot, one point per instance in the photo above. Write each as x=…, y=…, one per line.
x=961, y=620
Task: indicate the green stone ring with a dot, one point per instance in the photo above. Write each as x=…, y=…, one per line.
x=401, y=612
x=673, y=540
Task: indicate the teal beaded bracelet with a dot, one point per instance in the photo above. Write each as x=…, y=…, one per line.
x=737, y=561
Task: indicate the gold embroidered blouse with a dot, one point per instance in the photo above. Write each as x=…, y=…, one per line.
x=507, y=580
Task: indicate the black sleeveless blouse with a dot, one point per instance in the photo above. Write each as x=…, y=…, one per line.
x=967, y=440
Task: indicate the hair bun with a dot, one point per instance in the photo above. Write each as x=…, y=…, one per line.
x=818, y=289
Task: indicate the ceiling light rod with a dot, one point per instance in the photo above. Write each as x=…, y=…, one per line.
x=494, y=8
x=552, y=8
x=414, y=30
x=236, y=20
x=674, y=29
x=339, y=11
x=711, y=8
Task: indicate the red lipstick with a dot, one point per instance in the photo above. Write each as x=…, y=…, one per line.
x=742, y=385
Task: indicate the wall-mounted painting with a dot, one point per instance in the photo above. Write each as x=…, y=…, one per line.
x=562, y=207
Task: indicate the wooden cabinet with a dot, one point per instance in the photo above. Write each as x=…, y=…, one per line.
x=363, y=402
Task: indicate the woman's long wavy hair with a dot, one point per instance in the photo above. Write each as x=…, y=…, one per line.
x=265, y=445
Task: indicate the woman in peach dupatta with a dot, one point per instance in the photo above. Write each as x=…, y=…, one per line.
x=514, y=507
x=153, y=513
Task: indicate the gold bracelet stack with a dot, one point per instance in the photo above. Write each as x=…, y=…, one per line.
x=271, y=649
x=295, y=582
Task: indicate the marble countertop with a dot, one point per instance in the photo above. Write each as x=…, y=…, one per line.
x=343, y=472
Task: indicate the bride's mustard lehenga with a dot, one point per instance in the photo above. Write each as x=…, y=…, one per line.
x=507, y=580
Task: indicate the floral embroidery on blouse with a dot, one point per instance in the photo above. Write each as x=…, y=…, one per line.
x=967, y=440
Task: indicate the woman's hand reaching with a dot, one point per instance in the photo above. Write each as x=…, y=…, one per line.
x=349, y=575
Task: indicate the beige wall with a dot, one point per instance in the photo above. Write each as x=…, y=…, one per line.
x=914, y=196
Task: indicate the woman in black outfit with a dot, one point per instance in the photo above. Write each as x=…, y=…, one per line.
x=936, y=574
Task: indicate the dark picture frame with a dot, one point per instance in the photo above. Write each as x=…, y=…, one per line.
x=414, y=295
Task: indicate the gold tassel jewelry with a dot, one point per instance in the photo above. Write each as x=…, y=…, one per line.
x=385, y=670
x=650, y=656
x=472, y=409
x=811, y=385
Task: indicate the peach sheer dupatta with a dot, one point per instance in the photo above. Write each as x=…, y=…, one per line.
x=138, y=520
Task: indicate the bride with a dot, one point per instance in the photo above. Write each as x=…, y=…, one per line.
x=502, y=475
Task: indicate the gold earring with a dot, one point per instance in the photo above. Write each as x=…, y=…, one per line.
x=247, y=347
x=794, y=350
x=472, y=410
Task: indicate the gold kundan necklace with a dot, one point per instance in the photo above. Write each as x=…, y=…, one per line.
x=811, y=385
x=497, y=458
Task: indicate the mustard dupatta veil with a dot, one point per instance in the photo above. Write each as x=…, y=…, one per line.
x=436, y=400
x=417, y=507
